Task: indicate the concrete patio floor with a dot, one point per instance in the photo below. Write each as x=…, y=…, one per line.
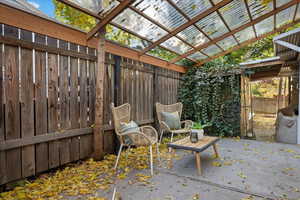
x=247, y=170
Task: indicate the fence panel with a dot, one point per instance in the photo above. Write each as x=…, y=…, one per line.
x=47, y=100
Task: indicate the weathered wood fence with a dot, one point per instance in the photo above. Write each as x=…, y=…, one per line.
x=47, y=96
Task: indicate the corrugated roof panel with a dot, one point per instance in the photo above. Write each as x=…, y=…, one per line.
x=285, y=16
x=193, y=8
x=176, y=45
x=216, y=1
x=96, y=6
x=131, y=41
x=162, y=12
x=212, y=25
x=227, y=43
x=193, y=36
x=162, y=53
x=245, y=34
x=265, y=26
x=136, y=23
x=211, y=50
x=185, y=62
x=197, y=56
x=257, y=8
x=235, y=14
x=281, y=2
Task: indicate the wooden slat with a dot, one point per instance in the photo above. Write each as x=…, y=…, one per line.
x=22, y=142
x=12, y=111
x=41, y=124
x=53, y=108
x=92, y=93
x=2, y=131
x=64, y=150
x=27, y=111
x=74, y=108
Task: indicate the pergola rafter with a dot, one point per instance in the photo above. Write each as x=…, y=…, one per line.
x=249, y=42
x=251, y=23
x=250, y=16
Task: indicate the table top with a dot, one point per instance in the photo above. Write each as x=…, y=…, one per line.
x=199, y=146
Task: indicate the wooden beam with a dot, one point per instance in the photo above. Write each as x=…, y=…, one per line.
x=99, y=102
x=132, y=54
x=248, y=42
x=44, y=26
x=250, y=16
x=79, y=8
x=278, y=62
x=251, y=23
x=288, y=45
x=186, y=25
x=106, y=20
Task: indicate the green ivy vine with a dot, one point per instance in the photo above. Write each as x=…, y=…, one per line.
x=211, y=94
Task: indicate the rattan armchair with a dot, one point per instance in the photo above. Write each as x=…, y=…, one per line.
x=177, y=107
x=146, y=136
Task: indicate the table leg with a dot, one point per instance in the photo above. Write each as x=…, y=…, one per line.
x=198, y=163
x=216, y=150
x=172, y=154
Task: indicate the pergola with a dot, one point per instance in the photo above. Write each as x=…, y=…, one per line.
x=198, y=31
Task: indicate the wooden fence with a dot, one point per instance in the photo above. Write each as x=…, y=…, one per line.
x=47, y=97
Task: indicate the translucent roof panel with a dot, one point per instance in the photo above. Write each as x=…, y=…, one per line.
x=235, y=14
x=281, y=2
x=138, y=24
x=285, y=16
x=162, y=53
x=298, y=12
x=193, y=8
x=245, y=34
x=185, y=62
x=162, y=12
x=212, y=25
x=97, y=6
x=117, y=35
x=211, y=50
x=258, y=8
x=193, y=36
x=176, y=45
x=227, y=43
x=216, y=1
x=197, y=56
x=265, y=26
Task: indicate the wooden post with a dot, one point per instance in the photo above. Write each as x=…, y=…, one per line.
x=100, y=69
x=117, y=80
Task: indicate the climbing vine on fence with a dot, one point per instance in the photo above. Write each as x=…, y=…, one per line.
x=212, y=94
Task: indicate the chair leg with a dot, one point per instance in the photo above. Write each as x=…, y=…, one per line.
x=161, y=135
x=118, y=157
x=127, y=151
x=151, y=160
x=157, y=151
x=172, y=137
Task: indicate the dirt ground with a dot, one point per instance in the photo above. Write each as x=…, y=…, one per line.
x=264, y=126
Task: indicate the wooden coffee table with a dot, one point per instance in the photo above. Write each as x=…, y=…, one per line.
x=196, y=148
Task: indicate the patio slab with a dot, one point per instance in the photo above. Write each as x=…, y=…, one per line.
x=247, y=168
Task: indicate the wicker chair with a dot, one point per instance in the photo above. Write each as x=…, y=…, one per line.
x=177, y=107
x=147, y=136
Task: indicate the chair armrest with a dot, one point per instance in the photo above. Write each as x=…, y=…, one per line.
x=164, y=127
x=136, y=137
x=150, y=131
x=188, y=124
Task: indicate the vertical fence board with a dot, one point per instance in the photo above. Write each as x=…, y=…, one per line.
x=74, y=108
x=53, y=108
x=12, y=111
x=92, y=93
x=41, y=110
x=64, y=148
x=27, y=111
x=2, y=131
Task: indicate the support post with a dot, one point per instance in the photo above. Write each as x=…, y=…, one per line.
x=298, y=117
x=100, y=72
x=117, y=80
